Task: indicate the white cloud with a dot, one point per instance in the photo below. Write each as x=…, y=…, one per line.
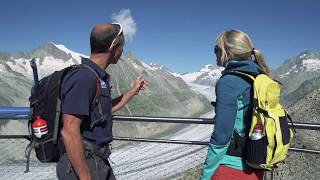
x=126, y=20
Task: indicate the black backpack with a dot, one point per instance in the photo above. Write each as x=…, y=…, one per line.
x=45, y=102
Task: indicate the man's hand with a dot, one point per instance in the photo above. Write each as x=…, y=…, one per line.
x=139, y=84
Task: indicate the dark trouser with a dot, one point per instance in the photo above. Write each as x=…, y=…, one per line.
x=100, y=169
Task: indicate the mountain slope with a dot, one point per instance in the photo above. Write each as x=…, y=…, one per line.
x=164, y=87
x=293, y=72
x=304, y=165
x=301, y=95
x=304, y=89
x=168, y=95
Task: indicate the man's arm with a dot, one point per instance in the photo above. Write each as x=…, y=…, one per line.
x=119, y=102
x=73, y=143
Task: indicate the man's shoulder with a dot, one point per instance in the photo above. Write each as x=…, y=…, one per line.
x=79, y=76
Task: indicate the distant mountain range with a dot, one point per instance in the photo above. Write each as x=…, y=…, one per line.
x=207, y=75
x=168, y=95
x=294, y=71
x=173, y=94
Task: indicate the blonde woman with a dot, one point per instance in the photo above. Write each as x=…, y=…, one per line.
x=234, y=51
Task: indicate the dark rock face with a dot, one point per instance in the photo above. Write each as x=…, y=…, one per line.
x=303, y=165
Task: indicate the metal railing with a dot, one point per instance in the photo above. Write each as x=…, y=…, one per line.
x=297, y=125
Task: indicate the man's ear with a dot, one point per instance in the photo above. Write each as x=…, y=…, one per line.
x=112, y=49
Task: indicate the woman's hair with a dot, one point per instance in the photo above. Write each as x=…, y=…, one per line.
x=237, y=45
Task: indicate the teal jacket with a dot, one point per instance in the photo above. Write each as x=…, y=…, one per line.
x=233, y=112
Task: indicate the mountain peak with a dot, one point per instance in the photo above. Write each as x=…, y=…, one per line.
x=208, y=68
x=47, y=47
x=207, y=75
x=294, y=71
x=308, y=60
x=156, y=66
x=63, y=48
x=304, y=54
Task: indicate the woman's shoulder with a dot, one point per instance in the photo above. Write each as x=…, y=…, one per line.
x=231, y=81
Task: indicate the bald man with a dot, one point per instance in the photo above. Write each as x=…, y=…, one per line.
x=87, y=108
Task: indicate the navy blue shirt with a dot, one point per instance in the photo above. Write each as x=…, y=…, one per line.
x=78, y=92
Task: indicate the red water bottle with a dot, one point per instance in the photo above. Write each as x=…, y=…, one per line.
x=257, y=132
x=40, y=127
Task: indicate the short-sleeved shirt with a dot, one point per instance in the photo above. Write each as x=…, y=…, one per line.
x=78, y=91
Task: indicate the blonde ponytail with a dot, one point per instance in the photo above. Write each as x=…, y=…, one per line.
x=261, y=62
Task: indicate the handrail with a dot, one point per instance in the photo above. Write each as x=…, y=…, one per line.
x=27, y=137
x=312, y=151
x=22, y=113
x=164, y=119
x=167, y=141
x=14, y=113
x=297, y=125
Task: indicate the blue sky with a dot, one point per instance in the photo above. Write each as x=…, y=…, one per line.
x=177, y=34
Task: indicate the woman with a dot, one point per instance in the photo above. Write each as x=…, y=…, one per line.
x=234, y=51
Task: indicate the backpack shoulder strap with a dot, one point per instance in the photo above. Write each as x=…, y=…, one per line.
x=89, y=68
x=96, y=99
x=249, y=77
x=237, y=144
x=98, y=90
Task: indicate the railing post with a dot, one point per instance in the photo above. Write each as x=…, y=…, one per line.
x=272, y=174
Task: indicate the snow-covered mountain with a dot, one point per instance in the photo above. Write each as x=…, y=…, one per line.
x=168, y=95
x=202, y=81
x=16, y=74
x=294, y=71
x=208, y=75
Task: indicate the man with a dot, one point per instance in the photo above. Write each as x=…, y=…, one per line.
x=87, y=135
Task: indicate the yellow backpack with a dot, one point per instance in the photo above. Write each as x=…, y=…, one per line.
x=272, y=119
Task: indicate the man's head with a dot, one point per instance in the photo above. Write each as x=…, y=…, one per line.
x=107, y=38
